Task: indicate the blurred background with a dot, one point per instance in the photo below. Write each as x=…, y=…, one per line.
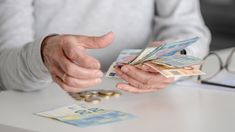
x=219, y=16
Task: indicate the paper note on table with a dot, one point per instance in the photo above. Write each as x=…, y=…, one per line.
x=83, y=116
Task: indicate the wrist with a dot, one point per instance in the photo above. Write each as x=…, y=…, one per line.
x=44, y=43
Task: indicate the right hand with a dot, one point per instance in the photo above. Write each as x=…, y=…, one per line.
x=69, y=65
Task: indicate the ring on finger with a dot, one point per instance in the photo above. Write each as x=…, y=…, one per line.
x=64, y=76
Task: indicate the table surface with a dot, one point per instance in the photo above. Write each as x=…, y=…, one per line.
x=182, y=107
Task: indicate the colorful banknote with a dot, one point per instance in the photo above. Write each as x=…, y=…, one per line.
x=166, y=49
x=170, y=72
x=83, y=116
x=163, y=59
x=178, y=60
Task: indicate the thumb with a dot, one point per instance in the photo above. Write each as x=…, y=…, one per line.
x=96, y=42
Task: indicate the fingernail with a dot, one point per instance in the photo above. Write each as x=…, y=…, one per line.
x=124, y=69
x=100, y=74
x=119, y=86
x=96, y=65
x=98, y=80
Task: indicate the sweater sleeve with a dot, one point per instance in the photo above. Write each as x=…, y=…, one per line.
x=21, y=66
x=178, y=19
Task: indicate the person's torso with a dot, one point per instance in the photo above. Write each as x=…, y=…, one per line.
x=131, y=21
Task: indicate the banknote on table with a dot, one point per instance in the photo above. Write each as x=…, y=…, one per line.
x=164, y=57
x=83, y=116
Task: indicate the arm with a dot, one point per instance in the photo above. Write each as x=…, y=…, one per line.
x=175, y=19
x=180, y=19
x=21, y=66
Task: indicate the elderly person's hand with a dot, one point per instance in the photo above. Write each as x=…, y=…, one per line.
x=142, y=78
x=68, y=63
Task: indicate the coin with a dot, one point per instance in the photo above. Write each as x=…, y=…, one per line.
x=105, y=96
x=94, y=96
x=85, y=94
x=93, y=100
x=117, y=94
x=106, y=92
x=94, y=91
x=76, y=96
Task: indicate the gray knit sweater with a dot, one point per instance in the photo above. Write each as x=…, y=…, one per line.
x=24, y=23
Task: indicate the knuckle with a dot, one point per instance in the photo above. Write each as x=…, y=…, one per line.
x=63, y=39
x=71, y=53
x=53, y=76
x=140, y=86
x=79, y=85
x=85, y=62
x=69, y=81
x=52, y=70
x=130, y=70
x=148, y=87
x=119, y=72
x=126, y=78
x=162, y=79
x=68, y=68
x=151, y=87
x=146, y=81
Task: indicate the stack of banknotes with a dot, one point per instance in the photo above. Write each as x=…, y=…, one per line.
x=164, y=59
x=84, y=116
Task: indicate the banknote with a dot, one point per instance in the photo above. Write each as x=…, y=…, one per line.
x=127, y=55
x=163, y=56
x=124, y=57
x=166, y=49
x=170, y=72
x=83, y=116
x=143, y=54
x=178, y=60
x=111, y=72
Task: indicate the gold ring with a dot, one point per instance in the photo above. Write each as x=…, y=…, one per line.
x=64, y=76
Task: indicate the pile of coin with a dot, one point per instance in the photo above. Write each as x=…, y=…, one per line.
x=94, y=96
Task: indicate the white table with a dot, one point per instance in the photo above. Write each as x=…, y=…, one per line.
x=182, y=107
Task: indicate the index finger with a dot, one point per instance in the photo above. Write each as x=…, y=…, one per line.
x=143, y=76
x=78, y=55
x=95, y=42
x=147, y=68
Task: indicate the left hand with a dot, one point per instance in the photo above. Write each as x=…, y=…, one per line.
x=141, y=79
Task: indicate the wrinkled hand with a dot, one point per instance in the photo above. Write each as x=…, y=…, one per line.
x=68, y=63
x=141, y=79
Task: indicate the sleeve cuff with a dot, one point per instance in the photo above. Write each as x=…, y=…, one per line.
x=37, y=65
